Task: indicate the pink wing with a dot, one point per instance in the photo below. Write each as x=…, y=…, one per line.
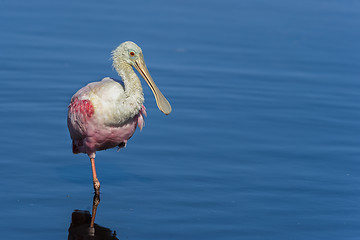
x=79, y=112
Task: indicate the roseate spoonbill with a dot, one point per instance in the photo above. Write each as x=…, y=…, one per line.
x=105, y=114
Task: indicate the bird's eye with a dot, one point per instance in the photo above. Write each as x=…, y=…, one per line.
x=132, y=53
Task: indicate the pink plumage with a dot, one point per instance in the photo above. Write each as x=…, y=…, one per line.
x=88, y=135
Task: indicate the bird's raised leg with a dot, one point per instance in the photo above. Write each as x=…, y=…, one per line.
x=95, y=179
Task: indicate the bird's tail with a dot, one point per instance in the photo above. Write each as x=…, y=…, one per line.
x=75, y=149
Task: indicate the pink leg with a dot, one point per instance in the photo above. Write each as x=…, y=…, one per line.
x=95, y=179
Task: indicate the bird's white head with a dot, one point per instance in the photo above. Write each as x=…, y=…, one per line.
x=127, y=51
x=130, y=53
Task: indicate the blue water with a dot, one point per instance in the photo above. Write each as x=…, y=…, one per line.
x=263, y=141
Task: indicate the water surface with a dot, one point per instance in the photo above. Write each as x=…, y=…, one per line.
x=263, y=141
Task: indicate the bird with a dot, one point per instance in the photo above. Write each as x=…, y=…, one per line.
x=105, y=114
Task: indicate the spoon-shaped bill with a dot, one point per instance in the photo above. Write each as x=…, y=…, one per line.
x=161, y=101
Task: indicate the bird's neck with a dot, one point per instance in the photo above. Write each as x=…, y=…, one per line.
x=134, y=96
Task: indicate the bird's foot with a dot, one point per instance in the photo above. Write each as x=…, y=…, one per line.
x=122, y=145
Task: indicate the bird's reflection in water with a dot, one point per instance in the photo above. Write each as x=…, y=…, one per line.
x=83, y=225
